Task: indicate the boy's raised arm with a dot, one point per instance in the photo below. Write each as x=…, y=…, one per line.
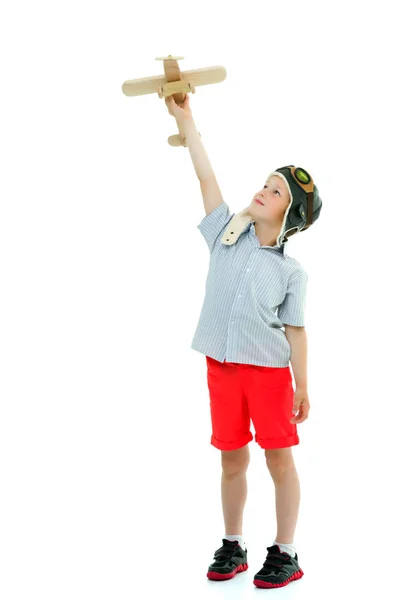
x=212, y=196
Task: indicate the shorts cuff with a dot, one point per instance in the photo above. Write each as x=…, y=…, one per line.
x=232, y=445
x=286, y=442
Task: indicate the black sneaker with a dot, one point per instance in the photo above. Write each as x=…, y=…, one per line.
x=228, y=560
x=278, y=570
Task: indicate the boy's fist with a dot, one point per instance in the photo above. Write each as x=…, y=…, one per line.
x=179, y=112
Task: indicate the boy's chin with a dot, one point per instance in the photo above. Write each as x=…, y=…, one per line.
x=257, y=209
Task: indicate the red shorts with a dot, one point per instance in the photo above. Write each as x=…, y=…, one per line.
x=239, y=392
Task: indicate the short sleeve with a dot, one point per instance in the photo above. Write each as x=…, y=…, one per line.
x=292, y=309
x=214, y=223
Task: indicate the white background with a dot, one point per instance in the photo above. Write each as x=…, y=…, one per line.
x=110, y=487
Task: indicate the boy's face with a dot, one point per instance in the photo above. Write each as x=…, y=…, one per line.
x=275, y=198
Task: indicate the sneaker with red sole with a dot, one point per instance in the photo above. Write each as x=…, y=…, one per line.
x=278, y=570
x=229, y=560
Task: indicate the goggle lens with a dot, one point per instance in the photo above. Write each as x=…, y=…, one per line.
x=302, y=176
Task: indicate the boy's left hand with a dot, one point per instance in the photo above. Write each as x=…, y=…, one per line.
x=300, y=404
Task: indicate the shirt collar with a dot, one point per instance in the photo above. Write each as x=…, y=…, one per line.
x=250, y=227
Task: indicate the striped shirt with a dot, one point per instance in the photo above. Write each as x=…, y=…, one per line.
x=251, y=292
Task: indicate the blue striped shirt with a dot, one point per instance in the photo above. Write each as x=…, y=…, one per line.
x=251, y=292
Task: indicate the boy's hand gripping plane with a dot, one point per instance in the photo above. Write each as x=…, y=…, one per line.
x=174, y=83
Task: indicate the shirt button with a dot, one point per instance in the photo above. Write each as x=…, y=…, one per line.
x=239, y=296
x=232, y=322
x=248, y=269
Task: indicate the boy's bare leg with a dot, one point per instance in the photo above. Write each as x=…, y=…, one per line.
x=287, y=492
x=234, y=488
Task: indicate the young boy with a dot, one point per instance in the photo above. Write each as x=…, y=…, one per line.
x=254, y=288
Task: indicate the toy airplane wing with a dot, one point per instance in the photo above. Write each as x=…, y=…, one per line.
x=174, y=83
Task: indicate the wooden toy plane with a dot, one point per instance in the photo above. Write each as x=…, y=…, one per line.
x=174, y=83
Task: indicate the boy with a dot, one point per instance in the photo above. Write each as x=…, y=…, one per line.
x=253, y=288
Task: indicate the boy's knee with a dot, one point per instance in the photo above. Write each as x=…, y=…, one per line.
x=279, y=460
x=235, y=462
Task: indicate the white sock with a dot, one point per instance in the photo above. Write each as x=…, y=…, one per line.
x=239, y=538
x=289, y=548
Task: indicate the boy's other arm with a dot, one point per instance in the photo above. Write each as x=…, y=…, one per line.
x=297, y=338
x=211, y=193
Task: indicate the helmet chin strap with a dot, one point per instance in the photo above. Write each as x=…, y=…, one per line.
x=236, y=226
